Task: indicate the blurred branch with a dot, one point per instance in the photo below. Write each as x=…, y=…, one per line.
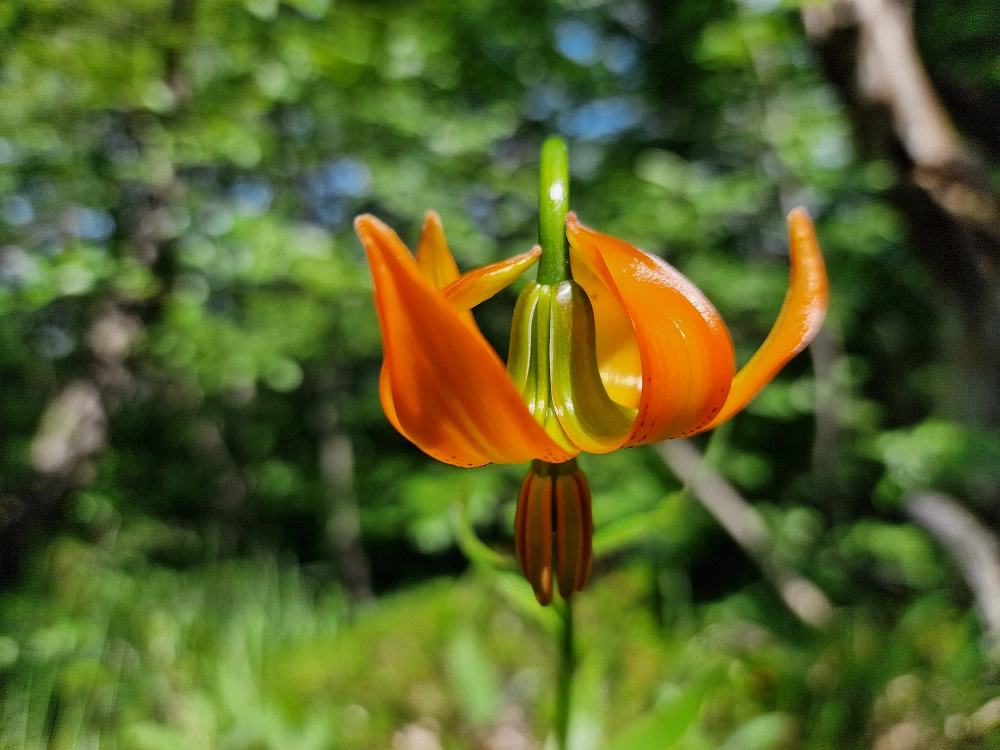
x=983, y=721
x=747, y=529
x=869, y=51
x=343, y=525
x=72, y=428
x=888, y=71
x=74, y=424
x=974, y=547
x=71, y=432
x=827, y=354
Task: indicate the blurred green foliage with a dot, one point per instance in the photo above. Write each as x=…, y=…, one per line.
x=186, y=171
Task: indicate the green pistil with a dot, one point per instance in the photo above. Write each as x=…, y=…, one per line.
x=553, y=204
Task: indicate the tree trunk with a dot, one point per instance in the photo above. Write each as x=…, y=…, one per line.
x=869, y=52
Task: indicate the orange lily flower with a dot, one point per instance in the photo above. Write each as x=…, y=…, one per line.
x=612, y=347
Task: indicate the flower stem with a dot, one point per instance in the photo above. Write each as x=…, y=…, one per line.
x=553, y=204
x=567, y=668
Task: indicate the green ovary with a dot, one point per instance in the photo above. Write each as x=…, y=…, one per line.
x=553, y=362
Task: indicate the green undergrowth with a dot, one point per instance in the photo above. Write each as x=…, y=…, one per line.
x=260, y=655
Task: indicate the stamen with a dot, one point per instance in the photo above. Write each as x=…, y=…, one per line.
x=554, y=501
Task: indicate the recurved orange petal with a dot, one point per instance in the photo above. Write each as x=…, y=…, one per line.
x=434, y=257
x=800, y=318
x=442, y=385
x=435, y=261
x=685, y=352
x=477, y=286
x=617, y=350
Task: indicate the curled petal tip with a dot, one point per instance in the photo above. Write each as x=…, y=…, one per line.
x=366, y=225
x=799, y=320
x=434, y=257
x=478, y=286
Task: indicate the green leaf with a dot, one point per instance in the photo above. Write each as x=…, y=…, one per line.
x=763, y=732
x=474, y=677
x=519, y=594
x=634, y=528
x=664, y=725
x=473, y=547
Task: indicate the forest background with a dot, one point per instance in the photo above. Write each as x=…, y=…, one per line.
x=210, y=535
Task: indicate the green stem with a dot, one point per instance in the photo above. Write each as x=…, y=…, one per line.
x=553, y=204
x=567, y=668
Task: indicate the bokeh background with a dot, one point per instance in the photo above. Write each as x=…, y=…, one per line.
x=211, y=537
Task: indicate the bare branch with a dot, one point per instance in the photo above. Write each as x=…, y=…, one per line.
x=888, y=70
x=828, y=362
x=869, y=52
x=71, y=430
x=343, y=526
x=747, y=529
x=974, y=547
